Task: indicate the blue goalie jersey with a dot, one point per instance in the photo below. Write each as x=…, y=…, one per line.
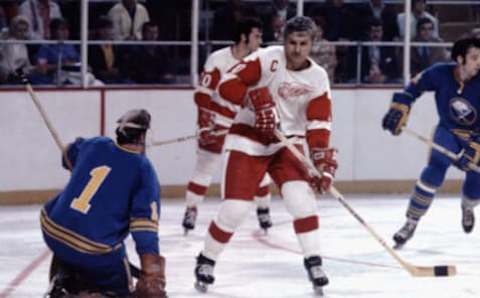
x=111, y=192
x=457, y=105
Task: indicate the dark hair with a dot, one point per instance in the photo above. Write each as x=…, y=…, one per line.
x=461, y=47
x=300, y=24
x=245, y=26
x=56, y=23
x=374, y=22
x=423, y=21
x=131, y=126
x=103, y=22
x=147, y=25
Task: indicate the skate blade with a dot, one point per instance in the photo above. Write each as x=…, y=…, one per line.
x=201, y=286
x=319, y=292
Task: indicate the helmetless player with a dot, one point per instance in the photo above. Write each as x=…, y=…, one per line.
x=277, y=87
x=113, y=191
x=214, y=121
x=457, y=97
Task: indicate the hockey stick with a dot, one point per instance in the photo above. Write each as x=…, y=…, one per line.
x=45, y=118
x=438, y=147
x=186, y=138
x=417, y=271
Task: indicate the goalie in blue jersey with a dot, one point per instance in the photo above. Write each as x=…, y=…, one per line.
x=457, y=96
x=113, y=191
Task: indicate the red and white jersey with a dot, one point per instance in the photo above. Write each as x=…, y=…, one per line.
x=302, y=101
x=206, y=96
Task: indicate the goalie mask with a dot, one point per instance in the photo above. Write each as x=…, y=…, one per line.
x=132, y=126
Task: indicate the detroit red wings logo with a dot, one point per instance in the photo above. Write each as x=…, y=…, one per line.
x=288, y=90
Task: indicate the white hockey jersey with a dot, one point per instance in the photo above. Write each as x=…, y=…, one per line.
x=302, y=101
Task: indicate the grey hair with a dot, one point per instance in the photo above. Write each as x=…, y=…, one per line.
x=300, y=24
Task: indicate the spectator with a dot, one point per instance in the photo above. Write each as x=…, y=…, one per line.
x=324, y=54
x=105, y=59
x=128, y=18
x=475, y=32
x=340, y=20
x=418, y=12
x=424, y=56
x=226, y=18
x=274, y=32
x=377, y=9
x=3, y=19
x=379, y=63
x=274, y=17
x=149, y=64
x=14, y=56
x=51, y=57
x=39, y=14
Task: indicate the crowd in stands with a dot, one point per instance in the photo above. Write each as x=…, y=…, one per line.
x=370, y=21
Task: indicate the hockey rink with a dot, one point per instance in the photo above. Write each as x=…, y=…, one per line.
x=258, y=265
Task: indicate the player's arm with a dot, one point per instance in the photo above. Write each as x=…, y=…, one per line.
x=69, y=157
x=319, y=117
x=397, y=115
x=144, y=218
x=233, y=87
x=203, y=99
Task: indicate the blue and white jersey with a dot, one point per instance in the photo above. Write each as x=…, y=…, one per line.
x=111, y=192
x=458, y=106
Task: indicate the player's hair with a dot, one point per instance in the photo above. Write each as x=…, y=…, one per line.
x=245, y=26
x=461, y=47
x=131, y=126
x=300, y=24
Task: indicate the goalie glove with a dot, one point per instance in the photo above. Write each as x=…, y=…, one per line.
x=325, y=160
x=265, y=114
x=470, y=155
x=151, y=283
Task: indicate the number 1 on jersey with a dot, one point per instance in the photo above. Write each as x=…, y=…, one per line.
x=82, y=203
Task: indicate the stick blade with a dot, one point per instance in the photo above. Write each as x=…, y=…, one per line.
x=435, y=271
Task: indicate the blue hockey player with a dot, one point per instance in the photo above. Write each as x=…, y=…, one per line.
x=113, y=191
x=457, y=96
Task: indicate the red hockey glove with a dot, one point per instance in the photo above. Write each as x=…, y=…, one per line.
x=265, y=114
x=151, y=283
x=325, y=159
x=205, y=125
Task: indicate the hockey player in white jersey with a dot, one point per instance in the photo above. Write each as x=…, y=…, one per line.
x=214, y=120
x=278, y=87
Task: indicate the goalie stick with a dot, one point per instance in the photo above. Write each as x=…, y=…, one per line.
x=438, y=147
x=417, y=271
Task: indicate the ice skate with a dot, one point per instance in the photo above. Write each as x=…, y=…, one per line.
x=189, y=219
x=468, y=219
x=264, y=220
x=405, y=233
x=204, y=273
x=315, y=274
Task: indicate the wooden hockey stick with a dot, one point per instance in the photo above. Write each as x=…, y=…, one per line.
x=183, y=139
x=437, y=147
x=45, y=118
x=417, y=271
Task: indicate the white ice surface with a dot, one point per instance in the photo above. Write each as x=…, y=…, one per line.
x=255, y=265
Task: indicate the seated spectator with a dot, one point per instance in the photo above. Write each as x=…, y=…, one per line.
x=51, y=57
x=424, y=56
x=14, y=56
x=418, y=12
x=274, y=17
x=340, y=21
x=39, y=14
x=377, y=9
x=226, y=18
x=324, y=54
x=128, y=18
x=275, y=29
x=3, y=20
x=149, y=64
x=379, y=63
x=105, y=59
